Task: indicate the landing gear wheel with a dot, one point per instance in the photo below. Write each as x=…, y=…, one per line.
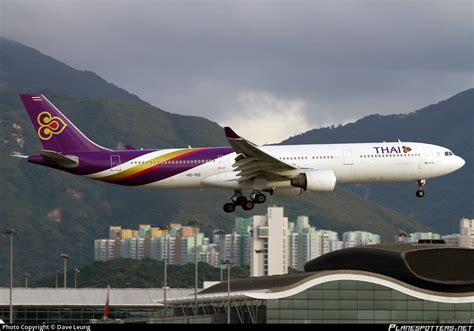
x=229, y=207
x=248, y=205
x=260, y=198
x=421, y=183
x=241, y=200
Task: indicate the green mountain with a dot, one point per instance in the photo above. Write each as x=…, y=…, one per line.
x=449, y=123
x=59, y=213
x=24, y=67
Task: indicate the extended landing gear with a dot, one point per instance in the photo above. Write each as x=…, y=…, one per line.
x=229, y=207
x=420, y=193
x=258, y=197
x=247, y=204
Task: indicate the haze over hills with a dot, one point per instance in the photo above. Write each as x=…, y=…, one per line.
x=56, y=212
x=449, y=123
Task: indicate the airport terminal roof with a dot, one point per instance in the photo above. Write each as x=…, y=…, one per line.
x=133, y=297
x=433, y=272
x=436, y=267
x=282, y=286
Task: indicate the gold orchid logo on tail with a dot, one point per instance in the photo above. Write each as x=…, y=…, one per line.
x=49, y=125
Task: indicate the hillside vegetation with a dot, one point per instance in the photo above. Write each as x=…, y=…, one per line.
x=141, y=273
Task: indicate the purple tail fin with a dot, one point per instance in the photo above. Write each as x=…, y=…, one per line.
x=54, y=130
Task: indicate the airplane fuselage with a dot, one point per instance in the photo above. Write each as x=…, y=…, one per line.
x=213, y=166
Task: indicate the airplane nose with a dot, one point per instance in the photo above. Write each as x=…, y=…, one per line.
x=460, y=162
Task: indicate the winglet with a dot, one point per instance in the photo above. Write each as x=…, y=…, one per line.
x=230, y=134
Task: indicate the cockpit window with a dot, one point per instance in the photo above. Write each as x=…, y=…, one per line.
x=448, y=153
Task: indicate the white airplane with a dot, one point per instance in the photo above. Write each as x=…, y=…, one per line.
x=278, y=170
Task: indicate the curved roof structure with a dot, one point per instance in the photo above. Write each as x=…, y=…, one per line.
x=435, y=267
x=433, y=272
x=276, y=287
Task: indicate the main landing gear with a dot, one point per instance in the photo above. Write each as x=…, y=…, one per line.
x=238, y=199
x=420, y=193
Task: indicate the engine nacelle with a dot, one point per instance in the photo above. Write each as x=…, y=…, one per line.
x=316, y=181
x=286, y=191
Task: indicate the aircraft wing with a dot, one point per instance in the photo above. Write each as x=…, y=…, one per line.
x=252, y=162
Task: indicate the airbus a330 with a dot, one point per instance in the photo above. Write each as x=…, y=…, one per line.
x=244, y=166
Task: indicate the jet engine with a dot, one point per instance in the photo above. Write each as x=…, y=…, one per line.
x=315, y=181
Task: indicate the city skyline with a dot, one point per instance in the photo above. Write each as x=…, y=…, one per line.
x=248, y=244
x=268, y=243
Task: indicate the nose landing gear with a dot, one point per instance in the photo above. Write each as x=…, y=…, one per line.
x=420, y=193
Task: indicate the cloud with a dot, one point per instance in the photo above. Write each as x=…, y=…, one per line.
x=346, y=59
x=264, y=118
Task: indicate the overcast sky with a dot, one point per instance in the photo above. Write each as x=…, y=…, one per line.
x=269, y=69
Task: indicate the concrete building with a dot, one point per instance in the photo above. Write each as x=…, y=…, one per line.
x=153, y=242
x=415, y=236
x=270, y=237
x=452, y=239
x=466, y=230
x=86, y=305
x=100, y=249
x=364, y=284
x=359, y=238
x=307, y=243
x=160, y=248
x=188, y=248
x=243, y=243
x=214, y=256
x=114, y=232
x=380, y=284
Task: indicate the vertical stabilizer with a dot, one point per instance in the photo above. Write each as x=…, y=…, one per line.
x=54, y=130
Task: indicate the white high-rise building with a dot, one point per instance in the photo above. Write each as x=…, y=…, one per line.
x=214, y=255
x=415, y=236
x=270, y=243
x=100, y=249
x=306, y=243
x=359, y=238
x=452, y=239
x=466, y=230
x=232, y=248
x=162, y=247
x=188, y=248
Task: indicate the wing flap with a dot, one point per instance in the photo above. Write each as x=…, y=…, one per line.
x=252, y=161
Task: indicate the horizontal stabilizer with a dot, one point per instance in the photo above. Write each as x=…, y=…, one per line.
x=64, y=161
x=20, y=156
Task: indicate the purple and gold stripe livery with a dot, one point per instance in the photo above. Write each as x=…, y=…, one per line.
x=61, y=138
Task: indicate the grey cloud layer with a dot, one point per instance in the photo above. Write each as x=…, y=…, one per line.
x=344, y=59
